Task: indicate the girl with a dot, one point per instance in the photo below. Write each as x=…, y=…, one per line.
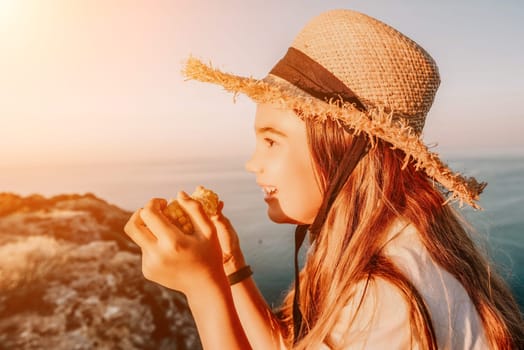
x=338, y=153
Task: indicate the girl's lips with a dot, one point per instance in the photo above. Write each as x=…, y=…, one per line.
x=268, y=196
x=269, y=191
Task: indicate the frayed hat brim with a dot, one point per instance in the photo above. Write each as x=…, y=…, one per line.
x=376, y=122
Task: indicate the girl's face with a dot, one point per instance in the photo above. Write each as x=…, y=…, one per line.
x=283, y=165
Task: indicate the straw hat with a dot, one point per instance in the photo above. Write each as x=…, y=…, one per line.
x=347, y=66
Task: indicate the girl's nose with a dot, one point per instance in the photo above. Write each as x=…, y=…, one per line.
x=253, y=167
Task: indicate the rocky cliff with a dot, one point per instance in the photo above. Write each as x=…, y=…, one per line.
x=71, y=279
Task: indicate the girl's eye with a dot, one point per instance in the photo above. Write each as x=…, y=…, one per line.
x=269, y=141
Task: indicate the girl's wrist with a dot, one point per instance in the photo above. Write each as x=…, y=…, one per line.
x=234, y=262
x=211, y=284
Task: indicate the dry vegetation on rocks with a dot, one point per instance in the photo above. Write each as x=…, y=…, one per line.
x=70, y=279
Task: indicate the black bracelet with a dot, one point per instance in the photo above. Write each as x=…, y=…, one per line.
x=239, y=275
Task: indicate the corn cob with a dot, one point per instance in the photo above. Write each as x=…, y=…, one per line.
x=179, y=217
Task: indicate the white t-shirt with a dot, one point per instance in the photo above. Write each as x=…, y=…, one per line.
x=383, y=320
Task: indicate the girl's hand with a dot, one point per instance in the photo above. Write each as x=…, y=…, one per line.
x=232, y=257
x=183, y=262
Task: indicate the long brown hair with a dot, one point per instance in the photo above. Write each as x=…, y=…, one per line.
x=348, y=249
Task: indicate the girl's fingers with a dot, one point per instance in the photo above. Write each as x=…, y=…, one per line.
x=196, y=213
x=152, y=216
x=138, y=232
x=220, y=207
x=221, y=221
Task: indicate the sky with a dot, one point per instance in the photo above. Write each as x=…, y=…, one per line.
x=100, y=81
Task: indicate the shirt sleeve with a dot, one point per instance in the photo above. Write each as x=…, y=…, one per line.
x=379, y=320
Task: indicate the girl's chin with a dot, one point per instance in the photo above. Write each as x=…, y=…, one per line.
x=276, y=215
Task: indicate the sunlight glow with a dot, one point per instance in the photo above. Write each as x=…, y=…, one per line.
x=8, y=11
x=85, y=80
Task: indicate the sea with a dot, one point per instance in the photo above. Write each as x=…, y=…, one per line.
x=269, y=247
